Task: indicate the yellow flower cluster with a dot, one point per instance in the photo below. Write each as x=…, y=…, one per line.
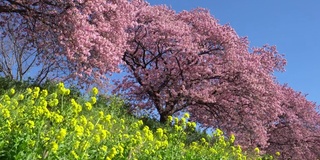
x=62, y=134
x=77, y=108
x=62, y=90
x=61, y=126
x=95, y=91
x=24, y=112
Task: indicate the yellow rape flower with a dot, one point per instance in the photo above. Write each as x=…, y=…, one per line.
x=30, y=102
x=8, y=103
x=76, y=145
x=133, y=140
x=54, y=95
x=108, y=118
x=120, y=148
x=66, y=91
x=20, y=97
x=126, y=136
x=73, y=122
x=77, y=108
x=97, y=138
x=95, y=91
x=149, y=137
x=186, y=115
x=90, y=126
x=239, y=150
x=31, y=143
x=45, y=139
x=38, y=111
x=53, y=102
x=73, y=102
x=93, y=100
x=6, y=113
x=99, y=127
x=6, y=97
x=218, y=132
x=183, y=121
x=29, y=91
x=177, y=128
x=47, y=113
x=103, y=148
x=60, y=85
x=15, y=103
x=44, y=93
x=79, y=131
x=146, y=151
x=176, y=120
x=36, y=89
x=165, y=143
x=88, y=105
x=87, y=132
x=86, y=145
x=43, y=103
x=134, y=125
x=145, y=129
x=113, y=152
x=104, y=134
x=56, y=117
x=62, y=134
x=257, y=150
x=213, y=151
x=74, y=154
x=30, y=124
x=83, y=120
x=159, y=132
x=140, y=123
x=181, y=144
x=203, y=140
x=194, y=124
x=158, y=144
x=232, y=138
x=101, y=114
x=8, y=122
x=12, y=91
x=54, y=147
x=277, y=153
x=169, y=118
x=35, y=93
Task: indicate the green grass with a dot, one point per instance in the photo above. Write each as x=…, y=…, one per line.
x=56, y=124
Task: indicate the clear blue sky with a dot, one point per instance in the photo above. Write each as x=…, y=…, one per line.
x=293, y=26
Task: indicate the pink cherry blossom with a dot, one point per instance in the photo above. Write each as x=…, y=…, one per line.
x=189, y=62
x=86, y=37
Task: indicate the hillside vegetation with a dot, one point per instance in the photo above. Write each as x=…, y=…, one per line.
x=54, y=123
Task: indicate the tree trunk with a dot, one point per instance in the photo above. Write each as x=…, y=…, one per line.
x=163, y=118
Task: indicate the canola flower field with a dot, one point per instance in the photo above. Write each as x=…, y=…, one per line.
x=40, y=124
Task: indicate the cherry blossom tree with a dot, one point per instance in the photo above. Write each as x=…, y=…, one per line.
x=189, y=62
x=86, y=37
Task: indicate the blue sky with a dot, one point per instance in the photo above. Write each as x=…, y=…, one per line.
x=293, y=26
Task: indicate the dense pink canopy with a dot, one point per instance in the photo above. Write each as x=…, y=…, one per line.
x=189, y=62
x=297, y=131
x=87, y=37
